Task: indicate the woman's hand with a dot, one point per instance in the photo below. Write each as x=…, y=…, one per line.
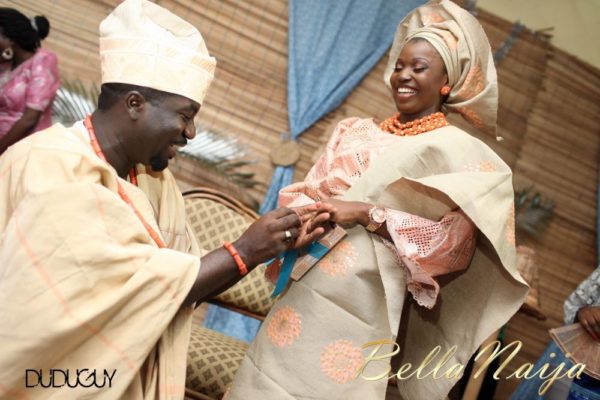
x=589, y=317
x=349, y=213
x=316, y=222
x=21, y=128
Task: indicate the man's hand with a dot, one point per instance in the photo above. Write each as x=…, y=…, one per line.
x=266, y=238
x=589, y=317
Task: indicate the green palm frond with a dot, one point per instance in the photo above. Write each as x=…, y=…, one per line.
x=218, y=154
x=532, y=212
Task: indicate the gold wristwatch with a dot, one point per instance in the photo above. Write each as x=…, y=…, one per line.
x=376, y=218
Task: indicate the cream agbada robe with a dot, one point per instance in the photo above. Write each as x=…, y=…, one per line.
x=82, y=284
x=309, y=347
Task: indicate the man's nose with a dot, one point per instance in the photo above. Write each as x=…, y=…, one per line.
x=190, y=130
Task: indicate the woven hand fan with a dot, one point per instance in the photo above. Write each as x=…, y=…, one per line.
x=580, y=346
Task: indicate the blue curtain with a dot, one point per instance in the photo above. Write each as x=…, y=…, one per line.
x=231, y=323
x=332, y=45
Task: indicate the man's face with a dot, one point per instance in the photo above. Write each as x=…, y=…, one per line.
x=165, y=125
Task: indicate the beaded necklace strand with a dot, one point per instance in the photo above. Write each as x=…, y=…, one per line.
x=415, y=127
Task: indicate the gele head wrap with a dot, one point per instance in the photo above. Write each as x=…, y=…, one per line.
x=463, y=45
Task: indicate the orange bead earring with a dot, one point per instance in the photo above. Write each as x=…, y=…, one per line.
x=445, y=90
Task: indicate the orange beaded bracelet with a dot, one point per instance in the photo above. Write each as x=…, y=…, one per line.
x=236, y=257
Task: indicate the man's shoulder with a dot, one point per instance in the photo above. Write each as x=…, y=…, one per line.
x=57, y=154
x=56, y=141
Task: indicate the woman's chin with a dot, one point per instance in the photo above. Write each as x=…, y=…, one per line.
x=406, y=109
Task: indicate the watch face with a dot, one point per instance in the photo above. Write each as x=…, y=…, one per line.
x=378, y=215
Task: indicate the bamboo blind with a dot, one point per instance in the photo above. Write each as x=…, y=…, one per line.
x=549, y=114
x=560, y=156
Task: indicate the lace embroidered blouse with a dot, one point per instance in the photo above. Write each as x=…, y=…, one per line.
x=32, y=84
x=426, y=248
x=586, y=294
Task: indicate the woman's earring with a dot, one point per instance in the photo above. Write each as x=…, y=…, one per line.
x=8, y=54
x=445, y=90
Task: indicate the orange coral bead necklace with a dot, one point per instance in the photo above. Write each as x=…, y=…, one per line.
x=415, y=127
x=96, y=146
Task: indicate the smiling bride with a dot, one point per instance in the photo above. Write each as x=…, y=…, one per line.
x=429, y=259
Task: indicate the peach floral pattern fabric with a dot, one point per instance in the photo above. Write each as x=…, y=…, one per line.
x=510, y=227
x=426, y=248
x=341, y=360
x=33, y=84
x=340, y=260
x=471, y=116
x=481, y=166
x=431, y=18
x=474, y=84
x=284, y=327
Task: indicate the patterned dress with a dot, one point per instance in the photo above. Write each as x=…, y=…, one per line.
x=586, y=294
x=425, y=248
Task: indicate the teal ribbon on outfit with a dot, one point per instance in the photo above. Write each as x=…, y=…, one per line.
x=315, y=249
x=289, y=259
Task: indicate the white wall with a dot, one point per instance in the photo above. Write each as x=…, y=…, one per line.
x=576, y=22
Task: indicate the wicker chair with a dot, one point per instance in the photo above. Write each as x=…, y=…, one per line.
x=213, y=358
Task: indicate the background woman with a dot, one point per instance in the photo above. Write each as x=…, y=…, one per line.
x=429, y=215
x=28, y=76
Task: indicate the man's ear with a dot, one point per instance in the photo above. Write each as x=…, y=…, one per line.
x=135, y=104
